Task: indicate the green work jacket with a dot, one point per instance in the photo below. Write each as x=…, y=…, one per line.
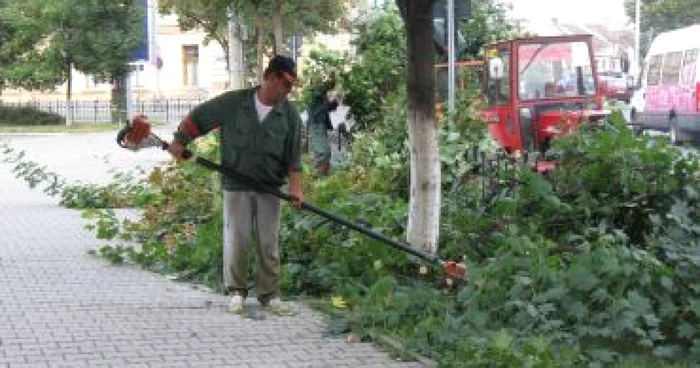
x=265, y=151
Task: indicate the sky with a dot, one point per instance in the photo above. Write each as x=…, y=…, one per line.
x=571, y=11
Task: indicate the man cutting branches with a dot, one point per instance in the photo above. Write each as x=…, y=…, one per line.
x=260, y=138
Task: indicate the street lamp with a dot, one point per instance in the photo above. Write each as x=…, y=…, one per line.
x=637, y=30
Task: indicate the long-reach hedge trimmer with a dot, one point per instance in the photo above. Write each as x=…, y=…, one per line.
x=137, y=135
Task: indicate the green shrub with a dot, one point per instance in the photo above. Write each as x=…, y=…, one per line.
x=594, y=264
x=26, y=115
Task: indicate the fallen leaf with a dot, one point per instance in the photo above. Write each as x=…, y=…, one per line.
x=339, y=302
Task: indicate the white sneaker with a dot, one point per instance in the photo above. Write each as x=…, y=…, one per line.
x=278, y=307
x=236, y=304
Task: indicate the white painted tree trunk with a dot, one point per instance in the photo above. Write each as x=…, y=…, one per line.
x=424, y=204
x=425, y=199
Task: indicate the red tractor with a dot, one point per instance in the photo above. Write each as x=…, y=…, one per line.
x=538, y=87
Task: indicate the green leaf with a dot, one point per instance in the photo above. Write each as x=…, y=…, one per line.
x=501, y=341
x=576, y=309
x=523, y=280
x=651, y=320
x=686, y=330
x=603, y=355
x=695, y=307
x=667, y=283
x=639, y=304
x=600, y=295
x=582, y=279
x=668, y=351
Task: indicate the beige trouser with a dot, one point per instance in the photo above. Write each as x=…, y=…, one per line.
x=247, y=213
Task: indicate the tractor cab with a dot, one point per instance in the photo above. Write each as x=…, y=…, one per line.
x=536, y=88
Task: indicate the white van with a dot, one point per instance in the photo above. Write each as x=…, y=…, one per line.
x=668, y=91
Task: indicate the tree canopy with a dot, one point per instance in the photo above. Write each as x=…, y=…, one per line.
x=43, y=39
x=659, y=16
x=296, y=17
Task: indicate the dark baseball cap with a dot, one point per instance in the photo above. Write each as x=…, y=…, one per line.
x=286, y=66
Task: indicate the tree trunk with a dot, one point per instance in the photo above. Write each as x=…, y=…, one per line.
x=424, y=204
x=226, y=46
x=118, y=99
x=260, y=46
x=69, y=96
x=234, y=55
x=277, y=28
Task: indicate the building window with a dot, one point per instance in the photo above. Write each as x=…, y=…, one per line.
x=190, y=63
x=90, y=81
x=136, y=76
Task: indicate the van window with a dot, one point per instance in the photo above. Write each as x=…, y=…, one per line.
x=654, y=73
x=672, y=67
x=689, y=66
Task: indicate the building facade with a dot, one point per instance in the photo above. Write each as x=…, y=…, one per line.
x=184, y=67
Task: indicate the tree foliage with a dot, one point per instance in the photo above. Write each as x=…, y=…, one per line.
x=487, y=24
x=380, y=47
x=45, y=39
x=380, y=68
x=659, y=16
x=304, y=17
x=23, y=63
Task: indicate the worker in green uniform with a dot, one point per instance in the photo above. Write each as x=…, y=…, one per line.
x=319, y=123
x=260, y=138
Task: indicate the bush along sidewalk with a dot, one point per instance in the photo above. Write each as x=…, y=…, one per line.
x=177, y=205
x=124, y=191
x=594, y=264
x=28, y=116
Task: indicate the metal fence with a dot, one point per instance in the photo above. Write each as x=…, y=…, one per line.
x=496, y=172
x=164, y=110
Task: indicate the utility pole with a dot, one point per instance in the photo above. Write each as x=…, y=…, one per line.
x=637, y=31
x=451, y=58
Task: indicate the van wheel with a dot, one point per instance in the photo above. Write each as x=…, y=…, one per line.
x=674, y=132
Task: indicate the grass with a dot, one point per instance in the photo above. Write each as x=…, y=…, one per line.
x=75, y=128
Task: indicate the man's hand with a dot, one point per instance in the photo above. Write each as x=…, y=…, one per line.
x=176, y=149
x=295, y=188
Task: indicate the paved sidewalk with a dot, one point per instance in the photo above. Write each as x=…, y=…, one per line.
x=60, y=307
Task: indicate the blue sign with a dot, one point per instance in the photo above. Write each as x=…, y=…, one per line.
x=144, y=52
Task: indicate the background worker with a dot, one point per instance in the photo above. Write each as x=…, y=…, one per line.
x=319, y=123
